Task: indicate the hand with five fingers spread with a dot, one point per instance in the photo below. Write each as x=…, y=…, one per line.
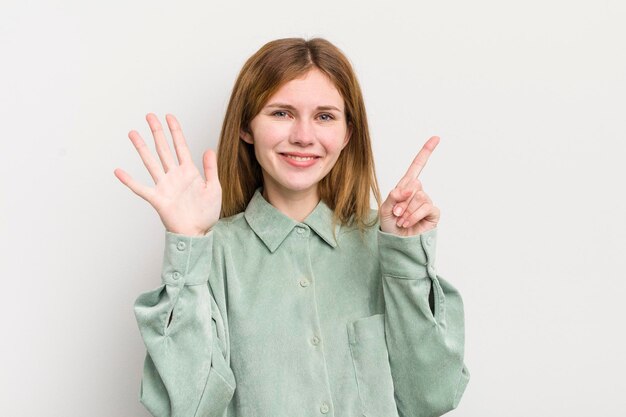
x=408, y=210
x=186, y=203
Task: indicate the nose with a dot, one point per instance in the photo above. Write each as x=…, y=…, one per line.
x=302, y=133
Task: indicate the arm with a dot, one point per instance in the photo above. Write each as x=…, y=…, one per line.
x=186, y=372
x=425, y=346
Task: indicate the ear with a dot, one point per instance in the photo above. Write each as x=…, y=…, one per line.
x=246, y=137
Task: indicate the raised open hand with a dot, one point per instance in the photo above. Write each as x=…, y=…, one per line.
x=408, y=210
x=185, y=202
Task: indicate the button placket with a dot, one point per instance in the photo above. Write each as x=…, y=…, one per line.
x=306, y=283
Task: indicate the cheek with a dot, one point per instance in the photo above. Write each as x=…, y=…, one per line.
x=270, y=135
x=333, y=141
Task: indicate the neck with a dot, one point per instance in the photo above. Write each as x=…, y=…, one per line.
x=294, y=204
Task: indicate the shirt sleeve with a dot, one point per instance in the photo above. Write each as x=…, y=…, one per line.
x=186, y=370
x=425, y=343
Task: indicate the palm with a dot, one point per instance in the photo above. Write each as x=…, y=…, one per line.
x=183, y=199
x=185, y=202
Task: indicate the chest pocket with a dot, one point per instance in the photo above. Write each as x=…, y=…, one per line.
x=371, y=366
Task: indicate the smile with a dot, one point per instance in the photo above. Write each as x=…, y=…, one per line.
x=300, y=158
x=299, y=161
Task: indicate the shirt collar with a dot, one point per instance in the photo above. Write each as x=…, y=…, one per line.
x=272, y=226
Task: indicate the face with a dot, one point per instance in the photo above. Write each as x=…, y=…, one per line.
x=299, y=134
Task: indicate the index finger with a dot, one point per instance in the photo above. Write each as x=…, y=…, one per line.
x=422, y=157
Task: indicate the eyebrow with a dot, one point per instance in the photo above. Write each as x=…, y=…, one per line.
x=290, y=107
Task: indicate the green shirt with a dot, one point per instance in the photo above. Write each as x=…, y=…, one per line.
x=265, y=316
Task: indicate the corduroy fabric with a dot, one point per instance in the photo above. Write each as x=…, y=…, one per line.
x=266, y=316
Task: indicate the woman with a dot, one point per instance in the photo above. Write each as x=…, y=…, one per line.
x=283, y=293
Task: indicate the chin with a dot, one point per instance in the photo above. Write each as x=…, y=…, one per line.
x=298, y=187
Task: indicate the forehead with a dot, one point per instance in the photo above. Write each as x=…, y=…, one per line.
x=313, y=88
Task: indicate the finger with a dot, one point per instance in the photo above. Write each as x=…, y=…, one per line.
x=395, y=196
x=421, y=158
x=209, y=162
x=416, y=201
x=141, y=190
x=413, y=185
x=421, y=213
x=153, y=166
x=180, y=144
x=163, y=149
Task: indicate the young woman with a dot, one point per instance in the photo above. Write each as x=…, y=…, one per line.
x=283, y=293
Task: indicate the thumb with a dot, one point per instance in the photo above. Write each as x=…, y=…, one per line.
x=396, y=196
x=209, y=162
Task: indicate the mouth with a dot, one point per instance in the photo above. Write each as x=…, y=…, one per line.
x=299, y=159
x=300, y=156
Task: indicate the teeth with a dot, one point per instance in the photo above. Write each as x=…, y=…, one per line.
x=299, y=158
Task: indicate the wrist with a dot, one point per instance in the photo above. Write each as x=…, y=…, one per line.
x=189, y=232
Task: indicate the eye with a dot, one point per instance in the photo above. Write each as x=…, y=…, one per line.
x=279, y=113
x=326, y=117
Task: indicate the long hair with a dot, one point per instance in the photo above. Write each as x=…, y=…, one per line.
x=346, y=188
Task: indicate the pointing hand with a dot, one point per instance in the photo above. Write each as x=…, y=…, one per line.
x=408, y=210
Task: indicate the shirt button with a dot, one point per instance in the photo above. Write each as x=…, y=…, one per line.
x=300, y=230
x=431, y=268
x=176, y=275
x=181, y=246
x=429, y=240
x=324, y=408
x=304, y=282
x=315, y=340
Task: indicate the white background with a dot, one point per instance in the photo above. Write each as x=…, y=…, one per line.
x=527, y=97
